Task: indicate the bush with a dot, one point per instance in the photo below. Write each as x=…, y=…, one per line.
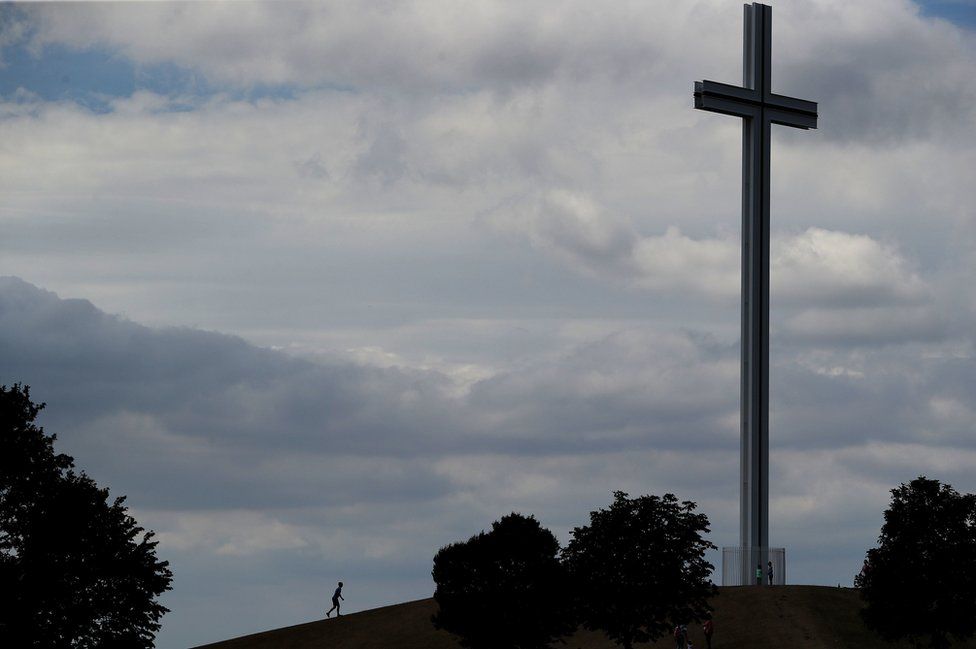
x=503, y=589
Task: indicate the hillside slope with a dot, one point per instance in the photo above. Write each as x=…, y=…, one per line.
x=797, y=617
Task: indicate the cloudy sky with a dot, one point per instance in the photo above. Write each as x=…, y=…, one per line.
x=323, y=287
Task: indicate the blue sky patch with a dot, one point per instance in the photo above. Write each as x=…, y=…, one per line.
x=93, y=77
x=960, y=12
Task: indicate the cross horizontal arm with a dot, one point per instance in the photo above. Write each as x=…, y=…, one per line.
x=725, y=104
x=791, y=118
x=746, y=102
x=794, y=105
x=727, y=91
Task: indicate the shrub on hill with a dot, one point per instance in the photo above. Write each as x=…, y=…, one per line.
x=74, y=571
x=920, y=582
x=504, y=588
x=639, y=567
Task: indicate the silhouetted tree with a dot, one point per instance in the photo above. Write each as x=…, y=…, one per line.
x=920, y=582
x=503, y=589
x=639, y=567
x=74, y=571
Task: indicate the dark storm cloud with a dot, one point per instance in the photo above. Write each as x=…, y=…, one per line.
x=194, y=420
x=202, y=384
x=153, y=404
x=833, y=408
x=192, y=393
x=195, y=397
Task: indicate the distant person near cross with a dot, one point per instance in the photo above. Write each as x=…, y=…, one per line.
x=769, y=572
x=680, y=636
x=708, y=629
x=336, y=596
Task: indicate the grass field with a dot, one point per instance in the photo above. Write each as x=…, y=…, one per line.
x=779, y=617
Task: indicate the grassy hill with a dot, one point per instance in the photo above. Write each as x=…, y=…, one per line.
x=782, y=617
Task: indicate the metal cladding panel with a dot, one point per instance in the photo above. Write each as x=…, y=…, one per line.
x=792, y=104
x=796, y=120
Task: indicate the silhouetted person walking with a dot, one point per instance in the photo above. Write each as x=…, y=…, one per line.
x=336, y=596
x=708, y=629
x=769, y=572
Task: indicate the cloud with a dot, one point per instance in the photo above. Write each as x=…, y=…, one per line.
x=816, y=267
x=879, y=325
x=14, y=28
x=857, y=61
x=574, y=226
x=230, y=533
x=191, y=396
x=314, y=43
x=606, y=168
x=824, y=267
x=863, y=70
x=188, y=393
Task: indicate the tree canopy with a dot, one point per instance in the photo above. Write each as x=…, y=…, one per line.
x=75, y=570
x=503, y=589
x=920, y=582
x=639, y=567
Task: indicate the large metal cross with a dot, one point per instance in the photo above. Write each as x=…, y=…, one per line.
x=758, y=107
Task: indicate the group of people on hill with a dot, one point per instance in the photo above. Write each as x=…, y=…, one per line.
x=681, y=640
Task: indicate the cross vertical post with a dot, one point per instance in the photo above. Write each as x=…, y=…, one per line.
x=759, y=108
